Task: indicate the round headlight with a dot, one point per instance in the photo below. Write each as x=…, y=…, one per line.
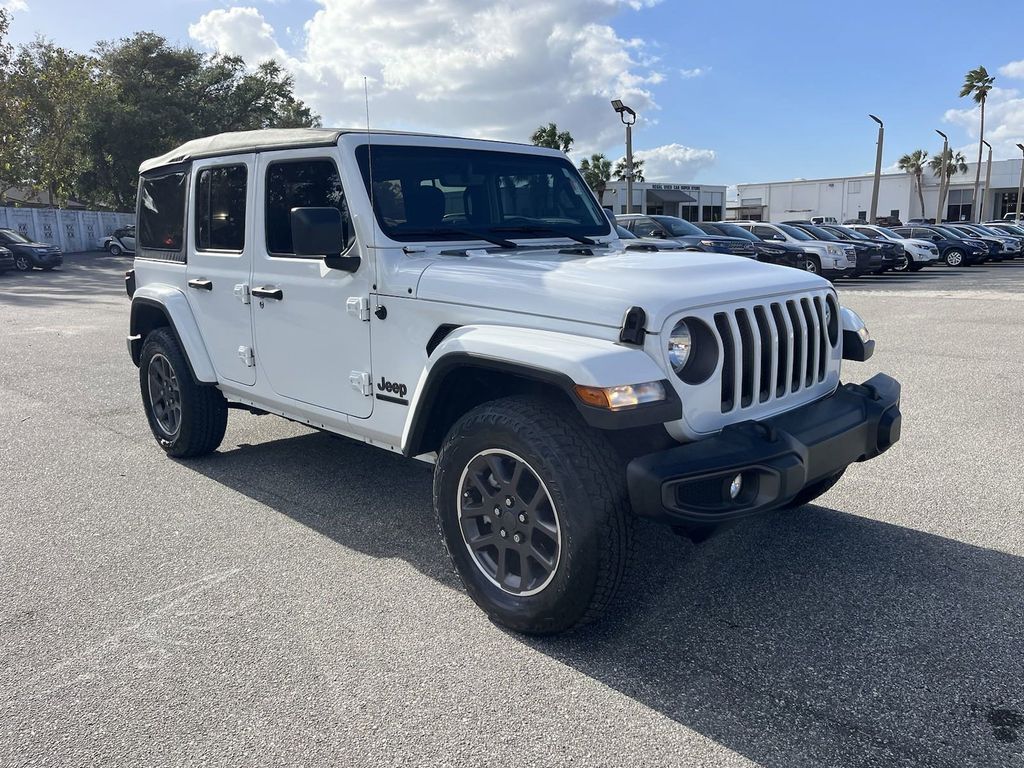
x=679, y=345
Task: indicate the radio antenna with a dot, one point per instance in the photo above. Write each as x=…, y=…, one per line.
x=369, y=162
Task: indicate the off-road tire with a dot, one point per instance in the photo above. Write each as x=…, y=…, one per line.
x=585, y=481
x=813, y=491
x=203, y=409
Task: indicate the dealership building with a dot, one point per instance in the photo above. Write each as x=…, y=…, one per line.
x=693, y=202
x=849, y=197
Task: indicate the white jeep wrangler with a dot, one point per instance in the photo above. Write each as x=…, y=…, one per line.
x=467, y=303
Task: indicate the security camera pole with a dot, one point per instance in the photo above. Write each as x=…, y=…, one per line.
x=988, y=183
x=942, y=177
x=623, y=111
x=878, y=171
x=1020, y=185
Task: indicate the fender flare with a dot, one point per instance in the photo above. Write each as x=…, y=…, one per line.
x=561, y=360
x=175, y=307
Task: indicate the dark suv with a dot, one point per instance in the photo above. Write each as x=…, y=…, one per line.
x=29, y=255
x=782, y=254
x=954, y=249
x=893, y=254
x=869, y=255
x=686, y=233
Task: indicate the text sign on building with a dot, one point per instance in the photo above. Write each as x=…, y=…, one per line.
x=680, y=187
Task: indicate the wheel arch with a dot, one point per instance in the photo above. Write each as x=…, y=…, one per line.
x=477, y=364
x=154, y=308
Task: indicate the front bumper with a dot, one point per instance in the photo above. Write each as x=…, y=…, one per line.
x=776, y=458
x=48, y=259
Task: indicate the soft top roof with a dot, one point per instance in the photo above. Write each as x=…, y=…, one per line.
x=241, y=142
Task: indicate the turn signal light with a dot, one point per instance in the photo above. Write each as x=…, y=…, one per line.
x=624, y=396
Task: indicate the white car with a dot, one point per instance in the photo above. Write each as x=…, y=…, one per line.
x=920, y=253
x=828, y=259
x=120, y=241
x=467, y=303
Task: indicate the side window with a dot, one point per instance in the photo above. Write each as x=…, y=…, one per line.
x=765, y=232
x=162, y=211
x=291, y=184
x=646, y=228
x=220, y=209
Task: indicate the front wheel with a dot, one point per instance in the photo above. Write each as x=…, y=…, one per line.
x=531, y=505
x=187, y=418
x=114, y=249
x=954, y=257
x=812, y=265
x=22, y=263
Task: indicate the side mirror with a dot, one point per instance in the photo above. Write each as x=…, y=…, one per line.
x=322, y=232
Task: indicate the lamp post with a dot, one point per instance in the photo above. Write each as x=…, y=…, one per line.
x=942, y=177
x=1020, y=185
x=878, y=171
x=988, y=183
x=628, y=118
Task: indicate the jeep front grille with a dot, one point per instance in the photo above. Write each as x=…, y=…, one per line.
x=772, y=350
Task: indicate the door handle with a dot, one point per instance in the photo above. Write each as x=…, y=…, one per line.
x=268, y=292
x=201, y=284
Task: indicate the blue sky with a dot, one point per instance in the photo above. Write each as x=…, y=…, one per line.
x=783, y=88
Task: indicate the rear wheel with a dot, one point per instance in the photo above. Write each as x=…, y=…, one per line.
x=954, y=257
x=187, y=419
x=532, y=509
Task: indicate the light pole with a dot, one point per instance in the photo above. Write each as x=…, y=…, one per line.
x=878, y=171
x=942, y=177
x=988, y=183
x=1020, y=185
x=628, y=118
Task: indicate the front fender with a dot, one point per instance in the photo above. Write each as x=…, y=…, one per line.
x=175, y=308
x=558, y=359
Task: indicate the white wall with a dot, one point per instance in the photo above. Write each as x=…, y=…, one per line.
x=71, y=230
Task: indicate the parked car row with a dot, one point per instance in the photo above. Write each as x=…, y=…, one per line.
x=20, y=253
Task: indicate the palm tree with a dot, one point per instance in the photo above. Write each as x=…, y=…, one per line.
x=977, y=83
x=913, y=163
x=597, y=172
x=945, y=167
x=619, y=174
x=549, y=136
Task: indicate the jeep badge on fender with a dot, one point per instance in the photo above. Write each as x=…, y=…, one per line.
x=558, y=382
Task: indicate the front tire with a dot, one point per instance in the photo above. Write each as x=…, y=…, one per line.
x=22, y=263
x=187, y=419
x=812, y=265
x=531, y=505
x=954, y=257
x=114, y=249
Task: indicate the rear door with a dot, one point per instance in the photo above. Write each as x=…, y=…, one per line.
x=220, y=260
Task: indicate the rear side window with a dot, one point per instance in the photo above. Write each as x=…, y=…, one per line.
x=645, y=228
x=162, y=211
x=220, y=209
x=300, y=184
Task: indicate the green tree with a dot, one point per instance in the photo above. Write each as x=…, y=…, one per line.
x=597, y=172
x=620, y=170
x=12, y=126
x=51, y=88
x=550, y=136
x=944, y=167
x=914, y=163
x=977, y=84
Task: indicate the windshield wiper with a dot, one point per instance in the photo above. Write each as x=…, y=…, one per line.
x=550, y=230
x=499, y=241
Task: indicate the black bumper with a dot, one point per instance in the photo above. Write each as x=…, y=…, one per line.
x=776, y=458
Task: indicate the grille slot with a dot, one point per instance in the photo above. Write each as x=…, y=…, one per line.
x=771, y=351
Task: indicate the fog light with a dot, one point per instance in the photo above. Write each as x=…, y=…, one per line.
x=736, y=486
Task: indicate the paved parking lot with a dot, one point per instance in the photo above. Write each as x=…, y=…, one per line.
x=286, y=601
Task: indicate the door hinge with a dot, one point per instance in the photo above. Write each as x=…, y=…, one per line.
x=360, y=381
x=247, y=357
x=359, y=306
x=242, y=292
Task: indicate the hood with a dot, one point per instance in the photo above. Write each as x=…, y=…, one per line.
x=599, y=289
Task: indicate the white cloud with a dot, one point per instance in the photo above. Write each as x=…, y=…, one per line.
x=14, y=5
x=1004, y=122
x=690, y=74
x=674, y=162
x=484, y=68
x=1013, y=69
x=238, y=31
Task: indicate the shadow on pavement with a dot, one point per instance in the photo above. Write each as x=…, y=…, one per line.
x=811, y=638
x=84, y=276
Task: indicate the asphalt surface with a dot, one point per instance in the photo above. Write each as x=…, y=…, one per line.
x=286, y=601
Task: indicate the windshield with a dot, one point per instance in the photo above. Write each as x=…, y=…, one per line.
x=625, y=234
x=795, y=232
x=1010, y=228
x=854, y=234
x=819, y=233
x=435, y=193
x=951, y=233
x=732, y=230
x=676, y=226
x=13, y=237
x=886, y=232
x=987, y=231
